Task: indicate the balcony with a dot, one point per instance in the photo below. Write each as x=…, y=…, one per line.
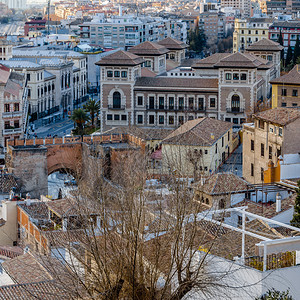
x=235, y=110
x=121, y=107
x=12, y=131
x=176, y=108
x=11, y=115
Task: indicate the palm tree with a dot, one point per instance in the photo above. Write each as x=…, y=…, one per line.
x=93, y=108
x=79, y=116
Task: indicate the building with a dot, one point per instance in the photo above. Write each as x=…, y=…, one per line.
x=221, y=190
x=289, y=30
x=36, y=24
x=196, y=148
x=248, y=31
x=5, y=49
x=223, y=86
x=213, y=25
x=273, y=133
x=286, y=89
x=14, y=105
x=129, y=31
x=268, y=50
x=244, y=6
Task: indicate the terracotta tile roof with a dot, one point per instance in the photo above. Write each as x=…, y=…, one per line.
x=62, y=207
x=7, y=182
x=200, y=132
x=146, y=134
x=172, y=44
x=145, y=72
x=36, y=210
x=120, y=58
x=180, y=83
x=46, y=290
x=279, y=115
x=261, y=228
x=242, y=60
x=268, y=211
x=265, y=45
x=224, y=183
x=10, y=251
x=25, y=269
x=209, y=61
x=148, y=48
x=4, y=74
x=292, y=77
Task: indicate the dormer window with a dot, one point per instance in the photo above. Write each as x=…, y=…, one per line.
x=236, y=76
x=228, y=76
x=243, y=76
x=110, y=74
x=124, y=74
x=117, y=73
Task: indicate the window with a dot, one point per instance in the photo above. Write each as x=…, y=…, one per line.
x=16, y=124
x=280, y=131
x=243, y=76
x=161, y=120
x=216, y=148
x=29, y=93
x=180, y=103
x=117, y=73
x=262, y=174
x=235, y=103
x=261, y=124
x=190, y=118
x=269, y=57
x=28, y=77
x=283, y=92
x=16, y=107
x=109, y=73
x=140, y=100
x=201, y=103
x=222, y=204
x=109, y=117
x=147, y=64
x=180, y=120
x=278, y=152
x=252, y=170
x=191, y=103
x=6, y=108
x=205, y=151
x=171, y=120
x=151, y=119
x=270, y=152
x=236, y=76
x=171, y=102
x=235, y=120
x=7, y=125
x=227, y=119
x=116, y=117
x=228, y=76
x=262, y=149
x=124, y=117
x=124, y=74
x=283, y=104
x=295, y=93
x=151, y=102
x=161, y=102
x=222, y=141
x=116, y=100
x=294, y=104
x=252, y=145
x=212, y=102
x=140, y=119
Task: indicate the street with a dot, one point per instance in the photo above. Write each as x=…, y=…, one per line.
x=60, y=128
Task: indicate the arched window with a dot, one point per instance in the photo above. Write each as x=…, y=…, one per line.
x=116, y=100
x=222, y=204
x=235, y=103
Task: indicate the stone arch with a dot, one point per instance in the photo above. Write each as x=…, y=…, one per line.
x=235, y=103
x=235, y=92
x=111, y=96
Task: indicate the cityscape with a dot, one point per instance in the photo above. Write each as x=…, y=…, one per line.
x=150, y=150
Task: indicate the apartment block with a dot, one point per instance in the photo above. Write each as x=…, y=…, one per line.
x=249, y=31
x=244, y=6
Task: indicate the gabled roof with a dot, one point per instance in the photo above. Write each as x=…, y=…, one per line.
x=148, y=48
x=172, y=44
x=242, y=60
x=265, y=45
x=209, y=61
x=198, y=132
x=279, y=115
x=224, y=183
x=292, y=77
x=120, y=58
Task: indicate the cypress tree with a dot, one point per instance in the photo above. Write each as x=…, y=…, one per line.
x=289, y=56
x=280, y=41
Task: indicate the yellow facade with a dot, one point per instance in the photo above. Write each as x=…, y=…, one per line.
x=247, y=32
x=285, y=95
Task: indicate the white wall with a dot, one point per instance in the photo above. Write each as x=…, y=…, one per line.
x=290, y=166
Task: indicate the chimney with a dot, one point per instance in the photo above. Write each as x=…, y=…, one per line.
x=28, y=200
x=278, y=202
x=120, y=10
